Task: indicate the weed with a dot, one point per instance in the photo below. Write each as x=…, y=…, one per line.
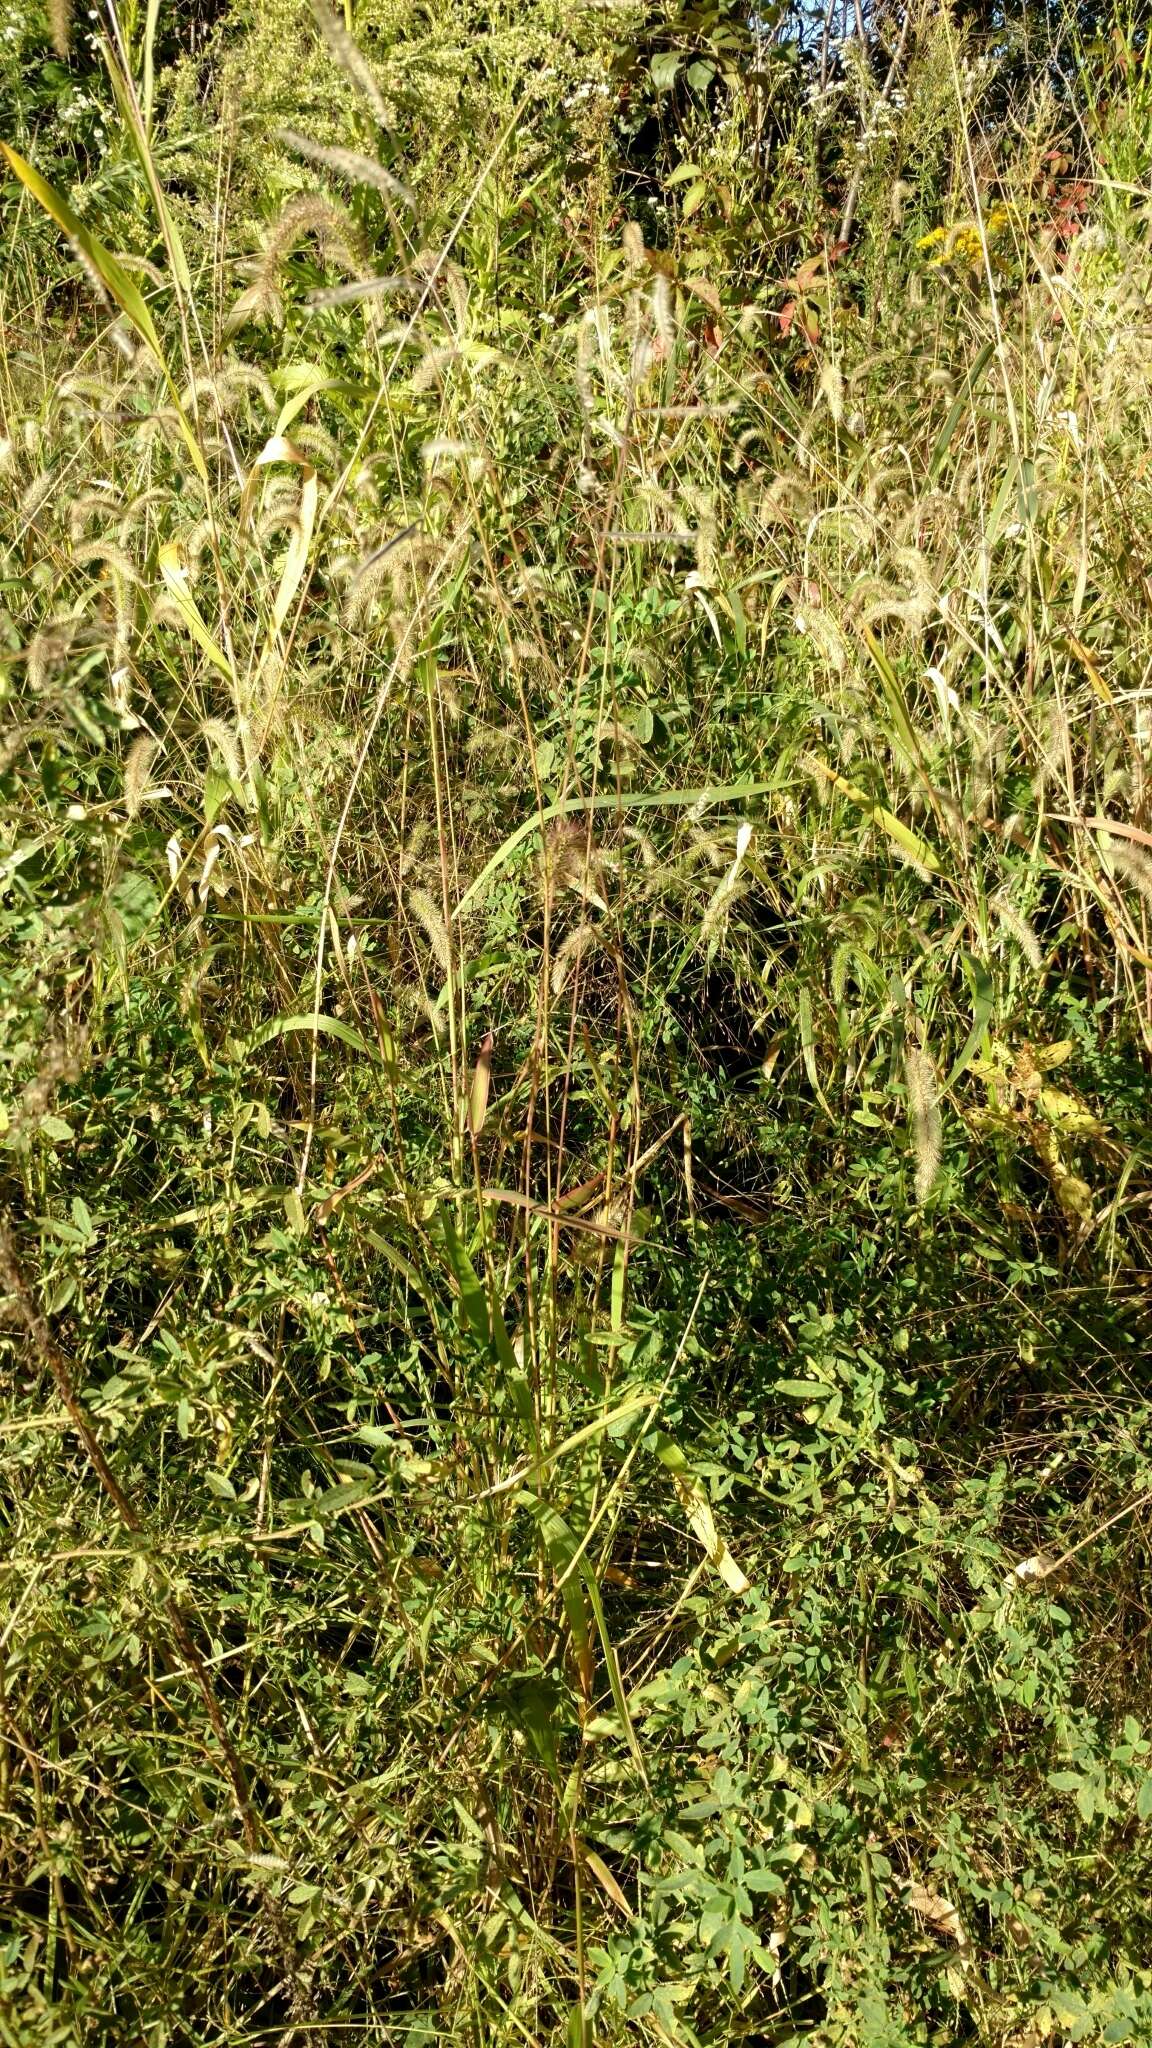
x=574, y=1022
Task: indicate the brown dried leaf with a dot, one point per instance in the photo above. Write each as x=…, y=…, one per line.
x=938, y=1911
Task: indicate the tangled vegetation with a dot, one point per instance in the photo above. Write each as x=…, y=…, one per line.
x=575, y=1018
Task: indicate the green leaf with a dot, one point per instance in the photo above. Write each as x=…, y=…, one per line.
x=314, y=1022
x=620, y=800
x=808, y=1047
x=485, y=1318
x=904, y=740
x=130, y=117
x=982, y=1006
x=1086, y=1800
x=336, y=1500
x=1144, y=1798
x=117, y=281
x=566, y=1553
x=960, y=408
x=664, y=68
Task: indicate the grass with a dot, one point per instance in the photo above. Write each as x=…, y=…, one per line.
x=575, y=1025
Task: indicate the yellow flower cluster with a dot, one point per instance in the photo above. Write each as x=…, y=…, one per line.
x=963, y=244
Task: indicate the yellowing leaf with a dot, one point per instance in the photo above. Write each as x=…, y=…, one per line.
x=1075, y=1198
x=280, y=449
x=1088, y=663
x=900, y=834
x=1068, y=1114
x=481, y=1082
x=175, y=577
x=694, y=1501
x=606, y=1881
x=312, y=1022
x=1055, y=1055
x=1031, y=1571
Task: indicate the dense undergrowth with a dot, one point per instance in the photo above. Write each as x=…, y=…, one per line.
x=576, y=1004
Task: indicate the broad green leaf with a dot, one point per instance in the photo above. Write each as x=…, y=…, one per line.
x=485, y=1316
x=959, y=409
x=116, y=280
x=905, y=738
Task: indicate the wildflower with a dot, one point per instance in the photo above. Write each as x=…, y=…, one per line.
x=963, y=244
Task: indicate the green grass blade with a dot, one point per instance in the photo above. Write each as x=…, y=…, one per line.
x=622, y=800
x=315, y=1023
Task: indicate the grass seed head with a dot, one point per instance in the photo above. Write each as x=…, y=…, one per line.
x=924, y=1117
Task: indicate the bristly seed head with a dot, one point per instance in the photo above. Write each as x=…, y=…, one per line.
x=924, y=1116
